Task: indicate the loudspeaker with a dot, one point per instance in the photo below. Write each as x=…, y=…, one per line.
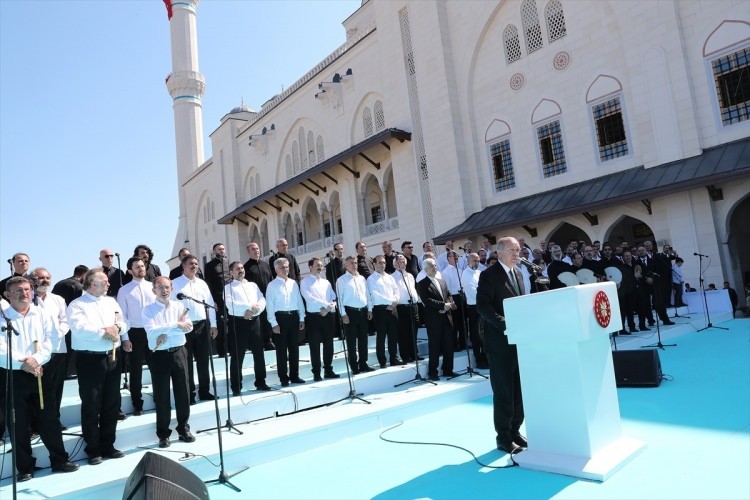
x=641, y=368
x=157, y=477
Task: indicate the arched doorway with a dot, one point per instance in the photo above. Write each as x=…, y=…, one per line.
x=567, y=232
x=630, y=229
x=739, y=243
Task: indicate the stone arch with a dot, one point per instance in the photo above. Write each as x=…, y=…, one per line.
x=390, y=192
x=728, y=33
x=630, y=229
x=544, y=110
x=357, y=132
x=738, y=242
x=373, y=200
x=602, y=85
x=564, y=232
x=311, y=220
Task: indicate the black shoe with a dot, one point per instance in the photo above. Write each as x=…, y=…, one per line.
x=644, y=329
x=297, y=380
x=668, y=323
x=331, y=374
x=420, y=358
x=355, y=371
x=269, y=347
x=121, y=416
x=366, y=368
x=193, y=402
x=651, y=322
x=137, y=412
x=235, y=393
x=206, y=396
x=284, y=383
x=317, y=378
x=24, y=476
x=449, y=374
x=520, y=441
x=164, y=443
x=187, y=437
x=114, y=453
x=622, y=332
x=434, y=378
x=397, y=362
x=262, y=387
x=63, y=428
x=615, y=334
x=508, y=447
x=65, y=467
x=95, y=460
x=383, y=365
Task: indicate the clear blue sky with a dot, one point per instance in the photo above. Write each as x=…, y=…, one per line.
x=87, y=151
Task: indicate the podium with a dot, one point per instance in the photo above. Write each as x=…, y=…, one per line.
x=567, y=377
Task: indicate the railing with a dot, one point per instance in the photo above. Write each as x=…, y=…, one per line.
x=381, y=227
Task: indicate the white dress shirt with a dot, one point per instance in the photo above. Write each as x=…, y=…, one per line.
x=381, y=290
x=451, y=278
x=352, y=292
x=526, y=277
x=133, y=298
x=318, y=293
x=283, y=295
x=198, y=289
x=470, y=280
x=243, y=296
x=55, y=305
x=422, y=275
x=160, y=319
x=37, y=325
x=442, y=261
x=406, y=285
x=88, y=316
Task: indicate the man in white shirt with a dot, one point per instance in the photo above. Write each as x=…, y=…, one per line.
x=407, y=310
x=97, y=328
x=245, y=304
x=197, y=343
x=286, y=313
x=470, y=280
x=382, y=300
x=54, y=370
x=166, y=322
x=132, y=298
x=321, y=304
x=352, y=292
x=31, y=348
x=452, y=276
x=442, y=260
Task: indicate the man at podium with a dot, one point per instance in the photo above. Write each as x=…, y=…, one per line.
x=498, y=282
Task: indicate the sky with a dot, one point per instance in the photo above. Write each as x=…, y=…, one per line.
x=87, y=147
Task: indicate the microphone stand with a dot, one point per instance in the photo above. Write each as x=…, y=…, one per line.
x=10, y=401
x=349, y=376
x=658, y=330
x=125, y=384
x=705, y=300
x=676, y=314
x=464, y=330
x=418, y=378
x=223, y=476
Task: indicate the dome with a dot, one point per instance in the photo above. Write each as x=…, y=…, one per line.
x=242, y=108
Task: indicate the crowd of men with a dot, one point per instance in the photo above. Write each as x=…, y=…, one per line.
x=91, y=322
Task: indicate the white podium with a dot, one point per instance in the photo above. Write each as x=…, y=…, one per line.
x=567, y=377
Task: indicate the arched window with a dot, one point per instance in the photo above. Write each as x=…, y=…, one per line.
x=512, y=44
x=367, y=121
x=379, y=116
x=302, y=150
x=555, y=17
x=532, y=31
x=319, y=148
x=311, y=148
x=289, y=167
x=295, y=157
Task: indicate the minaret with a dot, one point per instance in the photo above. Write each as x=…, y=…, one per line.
x=186, y=86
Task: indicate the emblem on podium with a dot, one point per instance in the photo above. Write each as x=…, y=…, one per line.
x=602, y=309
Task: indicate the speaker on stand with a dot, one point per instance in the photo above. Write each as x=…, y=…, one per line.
x=157, y=477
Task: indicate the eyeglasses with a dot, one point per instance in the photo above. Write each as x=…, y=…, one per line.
x=408, y=246
x=109, y=256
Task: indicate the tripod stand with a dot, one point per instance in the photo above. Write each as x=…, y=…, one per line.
x=658, y=330
x=229, y=425
x=349, y=375
x=10, y=403
x=223, y=476
x=705, y=300
x=418, y=378
x=464, y=330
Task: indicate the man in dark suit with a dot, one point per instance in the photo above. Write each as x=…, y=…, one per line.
x=438, y=305
x=497, y=283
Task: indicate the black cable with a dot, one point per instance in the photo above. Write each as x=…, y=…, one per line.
x=513, y=464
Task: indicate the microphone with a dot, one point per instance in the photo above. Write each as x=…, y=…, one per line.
x=182, y=296
x=530, y=265
x=10, y=261
x=694, y=253
x=117, y=254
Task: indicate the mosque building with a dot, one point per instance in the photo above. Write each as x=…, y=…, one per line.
x=609, y=120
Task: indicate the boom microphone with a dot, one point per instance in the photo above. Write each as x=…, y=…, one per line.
x=694, y=253
x=530, y=265
x=182, y=296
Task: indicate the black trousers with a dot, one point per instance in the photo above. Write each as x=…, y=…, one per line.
x=441, y=340
x=243, y=333
x=198, y=346
x=169, y=366
x=407, y=331
x=54, y=372
x=356, y=338
x=136, y=358
x=386, y=326
x=99, y=390
x=627, y=308
x=265, y=328
x=458, y=322
x=287, y=346
x=319, y=330
x=27, y=408
x=505, y=379
x=476, y=342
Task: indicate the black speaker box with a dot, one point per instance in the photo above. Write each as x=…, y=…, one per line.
x=157, y=477
x=641, y=368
